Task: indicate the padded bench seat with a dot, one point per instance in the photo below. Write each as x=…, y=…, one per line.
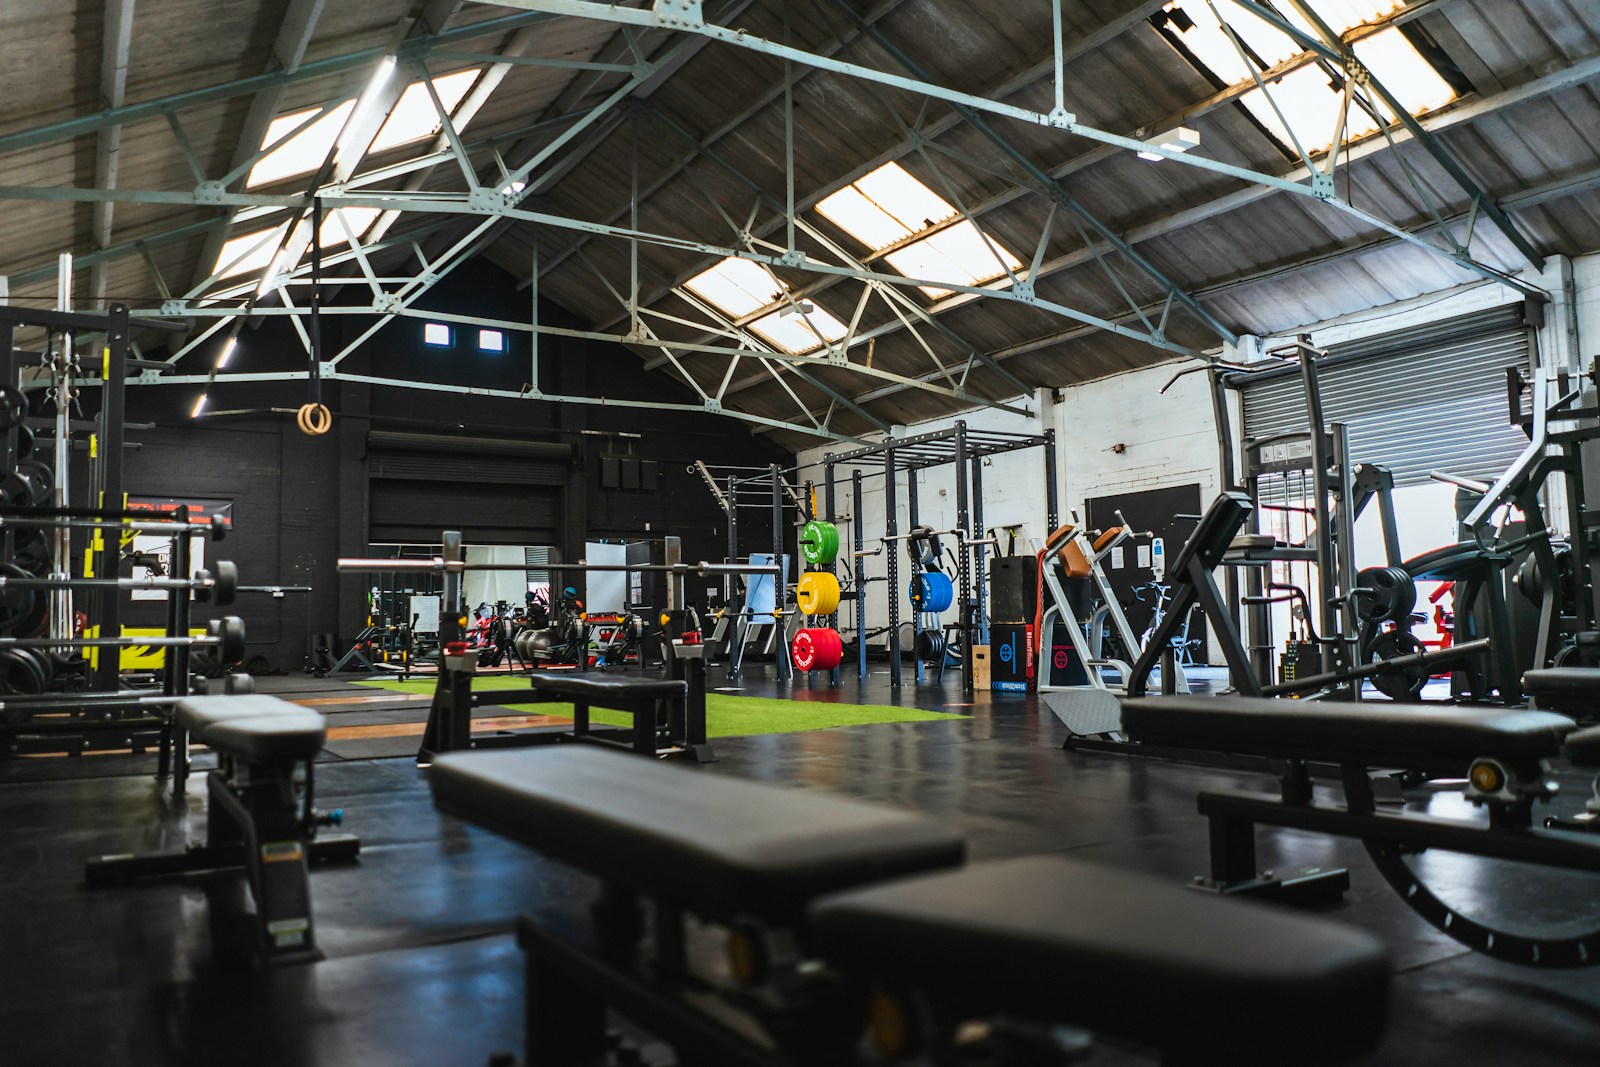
x=1569, y=689
x=1404, y=736
x=598, y=688
x=722, y=846
x=254, y=727
x=1047, y=937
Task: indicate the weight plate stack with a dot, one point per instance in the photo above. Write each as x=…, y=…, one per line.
x=932, y=591
x=817, y=593
x=819, y=543
x=817, y=649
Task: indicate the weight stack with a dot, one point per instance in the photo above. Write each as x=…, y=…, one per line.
x=1013, y=588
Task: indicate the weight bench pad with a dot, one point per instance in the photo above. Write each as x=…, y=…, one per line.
x=604, y=686
x=1573, y=689
x=255, y=727
x=719, y=846
x=1395, y=735
x=1583, y=747
x=1059, y=940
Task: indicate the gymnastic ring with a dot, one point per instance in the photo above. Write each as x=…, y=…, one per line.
x=314, y=419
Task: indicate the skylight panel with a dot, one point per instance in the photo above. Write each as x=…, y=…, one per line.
x=413, y=116
x=796, y=334
x=358, y=219
x=736, y=286
x=885, y=207
x=249, y=253
x=957, y=254
x=302, y=153
x=1308, y=99
x=855, y=214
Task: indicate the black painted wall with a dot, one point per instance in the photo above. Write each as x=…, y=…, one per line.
x=301, y=502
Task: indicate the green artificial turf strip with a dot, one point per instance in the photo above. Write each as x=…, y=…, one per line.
x=727, y=715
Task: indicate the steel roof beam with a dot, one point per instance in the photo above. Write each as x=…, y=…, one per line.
x=117, y=37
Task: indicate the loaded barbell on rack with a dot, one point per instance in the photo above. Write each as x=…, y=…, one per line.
x=220, y=586
x=226, y=635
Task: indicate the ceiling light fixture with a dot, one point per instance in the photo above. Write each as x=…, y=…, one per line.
x=1180, y=139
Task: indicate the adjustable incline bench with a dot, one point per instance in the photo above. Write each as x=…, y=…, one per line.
x=260, y=817
x=1503, y=755
x=839, y=918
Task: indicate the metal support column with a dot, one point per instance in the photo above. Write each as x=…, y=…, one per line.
x=980, y=554
x=891, y=530
x=861, y=577
x=963, y=571
x=113, y=407
x=1052, y=493
x=780, y=651
x=913, y=517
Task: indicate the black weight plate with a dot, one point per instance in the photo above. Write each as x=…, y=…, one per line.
x=41, y=481
x=13, y=406
x=21, y=672
x=16, y=491
x=1389, y=593
x=16, y=604
x=24, y=442
x=1404, y=684
x=32, y=551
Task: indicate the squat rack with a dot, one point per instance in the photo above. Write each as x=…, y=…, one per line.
x=764, y=487
x=965, y=448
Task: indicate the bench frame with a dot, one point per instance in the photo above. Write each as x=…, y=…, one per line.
x=1389, y=836
x=261, y=821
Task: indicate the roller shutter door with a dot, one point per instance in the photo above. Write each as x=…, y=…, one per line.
x=1416, y=400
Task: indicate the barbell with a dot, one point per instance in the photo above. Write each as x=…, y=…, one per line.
x=216, y=526
x=220, y=586
x=440, y=565
x=226, y=635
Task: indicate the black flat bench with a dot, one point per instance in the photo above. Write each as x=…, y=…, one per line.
x=1435, y=741
x=1574, y=690
x=1503, y=756
x=654, y=703
x=1057, y=939
x=266, y=748
x=876, y=894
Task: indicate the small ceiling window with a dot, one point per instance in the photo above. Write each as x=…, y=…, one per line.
x=888, y=208
x=790, y=331
x=491, y=341
x=436, y=334
x=1309, y=99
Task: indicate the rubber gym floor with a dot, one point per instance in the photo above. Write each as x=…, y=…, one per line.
x=421, y=967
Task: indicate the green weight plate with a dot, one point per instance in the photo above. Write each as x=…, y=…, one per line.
x=819, y=542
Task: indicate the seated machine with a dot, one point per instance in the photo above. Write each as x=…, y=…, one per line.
x=838, y=919
x=261, y=817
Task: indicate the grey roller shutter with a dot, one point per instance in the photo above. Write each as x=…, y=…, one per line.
x=1417, y=400
x=495, y=491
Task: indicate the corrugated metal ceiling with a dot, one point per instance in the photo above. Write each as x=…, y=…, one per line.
x=1257, y=263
